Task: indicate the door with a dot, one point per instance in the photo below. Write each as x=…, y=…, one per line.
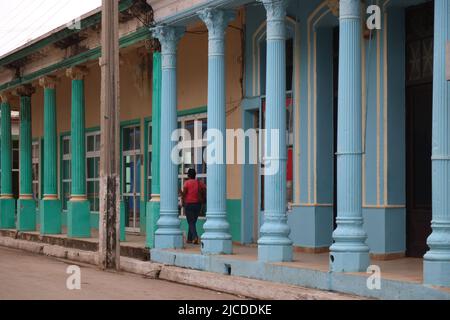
x=419, y=90
x=131, y=177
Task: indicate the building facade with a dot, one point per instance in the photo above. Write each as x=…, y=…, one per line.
x=364, y=164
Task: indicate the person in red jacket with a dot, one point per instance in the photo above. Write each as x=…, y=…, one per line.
x=193, y=197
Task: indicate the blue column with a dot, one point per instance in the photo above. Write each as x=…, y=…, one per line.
x=217, y=238
x=437, y=260
x=168, y=235
x=274, y=244
x=349, y=253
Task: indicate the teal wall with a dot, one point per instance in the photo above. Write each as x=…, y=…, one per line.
x=233, y=217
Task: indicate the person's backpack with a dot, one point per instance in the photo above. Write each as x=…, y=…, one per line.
x=201, y=193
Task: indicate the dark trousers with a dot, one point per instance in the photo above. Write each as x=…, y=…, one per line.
x=192, y=211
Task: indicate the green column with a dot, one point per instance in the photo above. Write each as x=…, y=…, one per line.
x=26, y=205
x=153, y=205
x=7, y=202
x=78, y=215
x=50, y=205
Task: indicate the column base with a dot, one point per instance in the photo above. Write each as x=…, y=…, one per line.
x=169, y=241
x=216, y=246
x=7, y=213
x=436, y=273
x=275, y=253
x=349, y=261
x=26, y=215
x=151, y=221
x=311, y=227
x=78, y=219
x=50, y=216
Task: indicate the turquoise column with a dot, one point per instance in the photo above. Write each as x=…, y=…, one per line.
x=153, y=206
x=78, y=215
x=50, y=205
x=7, y=202
x=349, y=253
x=274, y=244
x=168, y=235
x=26, y=205
x=217, y=238
x=437, y=260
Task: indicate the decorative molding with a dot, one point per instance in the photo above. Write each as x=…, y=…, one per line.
x=5, y=97
x=48, y=82
x=216, y=21
x=76, y=73
x=276, y=18
x=26, y=90
x=126, y=41
x=334, y=7
x=169, y=38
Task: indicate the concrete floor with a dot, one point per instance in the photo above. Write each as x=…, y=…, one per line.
x=404, y=269
x=26, y=276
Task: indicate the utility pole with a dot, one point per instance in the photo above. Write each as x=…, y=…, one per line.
x=109, y=233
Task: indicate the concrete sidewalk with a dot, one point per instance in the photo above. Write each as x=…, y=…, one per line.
x=27, y=276
x=255, y=289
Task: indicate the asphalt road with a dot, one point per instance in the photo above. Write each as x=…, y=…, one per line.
x=26, y=276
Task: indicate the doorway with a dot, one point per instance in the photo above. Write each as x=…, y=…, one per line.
x=419, y=92
x=335, y=117
x=131, y=176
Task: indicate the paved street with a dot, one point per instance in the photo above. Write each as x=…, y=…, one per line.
x=28, y=276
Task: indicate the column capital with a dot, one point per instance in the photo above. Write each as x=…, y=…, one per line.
x=276, y=9
x=276, y=18
x=5, y=97
x=77, y=73
x=169, y=37
x=48, y=82
x=216, y=21
x=349, y=9
x=26, y=90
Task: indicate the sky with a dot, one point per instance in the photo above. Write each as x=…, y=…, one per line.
x=24, y=20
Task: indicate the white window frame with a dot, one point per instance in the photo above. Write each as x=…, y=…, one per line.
x=37, y=160
x=65, y=157
x=89, y=155
x=182, y=177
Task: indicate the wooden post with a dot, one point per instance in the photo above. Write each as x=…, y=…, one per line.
x=109, y=233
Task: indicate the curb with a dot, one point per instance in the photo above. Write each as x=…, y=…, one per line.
x=243, y=287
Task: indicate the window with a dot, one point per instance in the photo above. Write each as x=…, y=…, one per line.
x=66, y=171
x=93, y=170
x=15, y=167
x=131, y=176
x=35, y=151
x=193, y=157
